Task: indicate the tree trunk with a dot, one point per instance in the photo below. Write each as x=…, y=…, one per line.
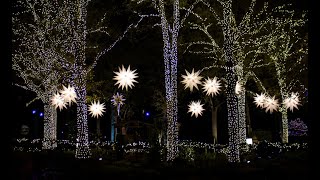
x=284, y=120
x=242, y=117
x=170, y=56
x=82, y=143
x=98, y=127
x=49, y=127
x=249, y=128
x=214, y=114
x=233, y=120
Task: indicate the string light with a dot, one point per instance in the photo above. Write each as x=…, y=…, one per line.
x=52, y=47
x=297, y=128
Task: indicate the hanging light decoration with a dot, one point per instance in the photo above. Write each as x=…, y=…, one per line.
x=292, y=101
x=239, y=88
x=58, y=101
x=68, y=94
x=259, y=100
x=96, y=109
x=191, y=80
x=195, y=108
x=212, y=86
x=271, y=104
x=125, y=77
x=118, y=100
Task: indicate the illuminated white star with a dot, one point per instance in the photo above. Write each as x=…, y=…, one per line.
x=271, y=104
x=191, y=80
x=292, y=101
x=239, y=88
x=125, y=77
x=195, y=108
x=117, y=99
x=260, y=100
x=96, y=109
x=58, y=101
x=68, y=94
x=212, y=86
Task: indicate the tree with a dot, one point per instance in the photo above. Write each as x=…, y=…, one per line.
x=170, y=26
x=289, y=54
x=60, y=33
x=240, y=51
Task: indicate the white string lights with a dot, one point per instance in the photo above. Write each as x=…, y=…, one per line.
x=51, y=39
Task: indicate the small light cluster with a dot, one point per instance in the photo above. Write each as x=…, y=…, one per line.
x=297, y=128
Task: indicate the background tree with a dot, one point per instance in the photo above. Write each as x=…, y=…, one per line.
x=170, y=23
x=289, y=57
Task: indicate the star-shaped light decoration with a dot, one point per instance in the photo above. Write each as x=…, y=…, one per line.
x=58, y=101
x=96, y=109
x=125, y=77
x=260, y=100
x=271, y=104
x=191, y=80
x=212, y=86
x=195, y=108
x=292, y=101
x=68, y=94
x=239, y=88
x=118, y=100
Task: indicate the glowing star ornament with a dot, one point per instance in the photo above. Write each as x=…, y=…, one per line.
x=191, y=80
x=96, y=109
x=212, y=86
x=260, y=100
x=58, y=101
x=239, y=88
x=195, y=108
x=125, y=77
x=68, y=94
x=118, y=100
x=271, y=104
x=292, y=101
